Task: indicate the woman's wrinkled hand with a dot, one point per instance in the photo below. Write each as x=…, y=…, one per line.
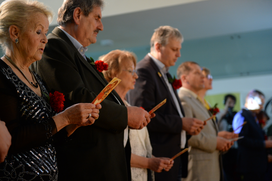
x=82, y=114
x=77, y=115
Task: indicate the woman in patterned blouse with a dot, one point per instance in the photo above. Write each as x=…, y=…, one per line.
x=25, y=106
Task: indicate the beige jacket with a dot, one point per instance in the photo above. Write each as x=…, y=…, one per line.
x=204, y=159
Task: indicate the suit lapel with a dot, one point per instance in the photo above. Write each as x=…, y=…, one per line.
x=202, y=107
x=94, y=70
x=175, y=92
x=213, y=120
x=159, y=74
x=62, y=35
x=58, y=32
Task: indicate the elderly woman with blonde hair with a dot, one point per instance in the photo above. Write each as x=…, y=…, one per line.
x=122, y=64
x=25, y=107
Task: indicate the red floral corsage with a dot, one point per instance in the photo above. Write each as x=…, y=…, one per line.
x=101, y=65
x=176, y=83
x=214, y=110
x=57, y=101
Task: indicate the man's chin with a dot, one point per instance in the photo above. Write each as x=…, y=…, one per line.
x=93, y=41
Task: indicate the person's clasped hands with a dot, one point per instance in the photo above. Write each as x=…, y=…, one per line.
x=225, y=140
x=138, y=117
x=77, y=115
x=192, y=126
x=228, y=135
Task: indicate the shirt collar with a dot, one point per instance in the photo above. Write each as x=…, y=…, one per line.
x=189, y=91
x=159, y=64
x=78, y=46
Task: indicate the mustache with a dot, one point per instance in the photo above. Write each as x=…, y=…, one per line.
x=96, y=31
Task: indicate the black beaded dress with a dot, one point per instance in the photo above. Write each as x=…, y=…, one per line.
x=28, y=118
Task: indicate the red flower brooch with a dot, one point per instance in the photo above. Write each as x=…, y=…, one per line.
x=214, y=110
x=101, y=65
x=176, y=83
x=56, y=101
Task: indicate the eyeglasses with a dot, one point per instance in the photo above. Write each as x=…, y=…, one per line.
x=133, y=72
x=209, y=76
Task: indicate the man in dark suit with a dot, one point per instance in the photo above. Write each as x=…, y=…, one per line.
x=94, y=152
x=168, y=129
x=252, y=154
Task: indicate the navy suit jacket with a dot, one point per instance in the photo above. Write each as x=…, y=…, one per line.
x=165, y=128
x=252, y=155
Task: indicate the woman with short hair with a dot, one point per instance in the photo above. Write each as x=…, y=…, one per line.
x=122, y=64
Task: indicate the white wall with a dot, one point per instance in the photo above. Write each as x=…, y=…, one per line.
x=116, y=7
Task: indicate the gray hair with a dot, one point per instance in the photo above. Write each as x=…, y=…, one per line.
x=162, y=35
x=18, y=13
x=65, y=13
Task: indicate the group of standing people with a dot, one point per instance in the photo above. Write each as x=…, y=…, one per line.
x=84, y=141
x=114, y=140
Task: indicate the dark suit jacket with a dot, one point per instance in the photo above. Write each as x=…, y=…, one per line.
x=93, y=152
x=165, y=129
x=252, y=155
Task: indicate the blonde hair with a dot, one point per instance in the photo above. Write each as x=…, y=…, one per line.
x=114, y=59
x=18, y=13
x=163, y=34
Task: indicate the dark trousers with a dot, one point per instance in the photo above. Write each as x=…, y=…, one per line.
x=230, y=165
x=252, y=177
x=268, y=175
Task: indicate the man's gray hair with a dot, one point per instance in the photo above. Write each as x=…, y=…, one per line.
x=65, y=13
x=162, y=35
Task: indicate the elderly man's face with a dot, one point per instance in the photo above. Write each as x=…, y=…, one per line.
x=89, y=27
x=195, y=78
x=170, y=52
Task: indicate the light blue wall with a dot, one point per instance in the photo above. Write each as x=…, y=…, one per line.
x=236, y=55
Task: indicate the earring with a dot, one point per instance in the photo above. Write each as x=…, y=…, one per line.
x=16, y=40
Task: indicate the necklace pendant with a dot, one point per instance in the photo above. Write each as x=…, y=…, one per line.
x=36, y=85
